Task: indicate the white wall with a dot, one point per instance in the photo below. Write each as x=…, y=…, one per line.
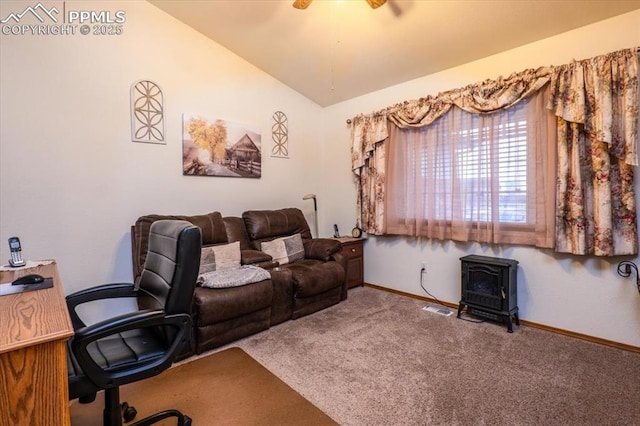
x=71, y=180
x=580, y=294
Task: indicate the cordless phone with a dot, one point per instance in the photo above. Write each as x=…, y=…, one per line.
x=16, y=252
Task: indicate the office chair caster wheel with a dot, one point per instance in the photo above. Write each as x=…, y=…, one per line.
x=128, y=413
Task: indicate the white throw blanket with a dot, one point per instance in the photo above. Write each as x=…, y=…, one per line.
x=243, y=275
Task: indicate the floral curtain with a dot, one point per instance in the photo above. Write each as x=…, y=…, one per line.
x=596, y=102
x=368, y=157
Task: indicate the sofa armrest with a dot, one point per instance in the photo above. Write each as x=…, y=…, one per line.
x=321, y=248
x=342, y=259
x=267, y=265
x=254, y=257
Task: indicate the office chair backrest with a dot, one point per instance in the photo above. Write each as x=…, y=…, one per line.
x=171, y=268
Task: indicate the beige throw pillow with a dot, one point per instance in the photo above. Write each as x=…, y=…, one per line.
x=220, y=258
x=284, y=250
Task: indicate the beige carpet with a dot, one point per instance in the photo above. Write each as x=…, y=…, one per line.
x=225, y=388
x=378, y=359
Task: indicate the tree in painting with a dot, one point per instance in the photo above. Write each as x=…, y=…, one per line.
x=211, y=137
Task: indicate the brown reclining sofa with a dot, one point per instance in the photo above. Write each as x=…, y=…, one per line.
x=304, y=286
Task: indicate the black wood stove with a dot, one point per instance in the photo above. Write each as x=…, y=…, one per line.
x=489, y=287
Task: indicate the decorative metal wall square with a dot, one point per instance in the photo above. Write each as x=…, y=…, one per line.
x=280, y=135
x=147, y=112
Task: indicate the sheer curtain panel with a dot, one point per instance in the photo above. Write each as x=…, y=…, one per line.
x=475, y=177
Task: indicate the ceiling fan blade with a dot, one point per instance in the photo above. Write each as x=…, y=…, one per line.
x=376, y=3
x=301, y=4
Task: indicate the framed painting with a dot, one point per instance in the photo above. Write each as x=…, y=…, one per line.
x=217, y=147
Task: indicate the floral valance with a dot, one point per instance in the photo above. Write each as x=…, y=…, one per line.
x=574, y=88
x=495, y=95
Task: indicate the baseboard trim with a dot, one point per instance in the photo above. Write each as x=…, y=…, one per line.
x=531, y=324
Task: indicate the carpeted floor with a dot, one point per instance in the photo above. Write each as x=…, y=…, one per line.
x=379, y=359
x=225, y=388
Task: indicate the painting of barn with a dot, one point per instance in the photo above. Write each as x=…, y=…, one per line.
x=216, y=147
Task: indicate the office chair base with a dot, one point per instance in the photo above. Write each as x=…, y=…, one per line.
x=154, y=418
x=114, y=412
x=128, y=412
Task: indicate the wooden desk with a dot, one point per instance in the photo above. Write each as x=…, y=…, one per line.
x=34, y=328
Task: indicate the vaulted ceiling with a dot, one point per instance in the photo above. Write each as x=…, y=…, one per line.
x=337, y=50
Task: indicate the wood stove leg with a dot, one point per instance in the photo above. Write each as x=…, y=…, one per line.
x=507, y=319
x=516, y=317
x=460, y=308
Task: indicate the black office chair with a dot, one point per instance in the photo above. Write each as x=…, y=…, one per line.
x=141, y=344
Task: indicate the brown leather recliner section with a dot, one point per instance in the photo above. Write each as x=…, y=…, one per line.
x=228, y=314
x=319, y=280
x=219, y=315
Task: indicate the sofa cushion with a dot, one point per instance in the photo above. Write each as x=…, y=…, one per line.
x=285, y=249
x=212, y=226
x=265, y=225
x=236, y=231
x=220, y=258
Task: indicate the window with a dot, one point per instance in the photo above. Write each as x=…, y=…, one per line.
x=471, y=176
x=487, y=156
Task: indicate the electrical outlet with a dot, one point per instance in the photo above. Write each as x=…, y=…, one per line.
x=423, y=265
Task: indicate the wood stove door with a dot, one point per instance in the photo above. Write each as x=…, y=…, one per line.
x=483, y=286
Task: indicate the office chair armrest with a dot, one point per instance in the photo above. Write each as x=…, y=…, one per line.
x=105, y=291
x=131, y=321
